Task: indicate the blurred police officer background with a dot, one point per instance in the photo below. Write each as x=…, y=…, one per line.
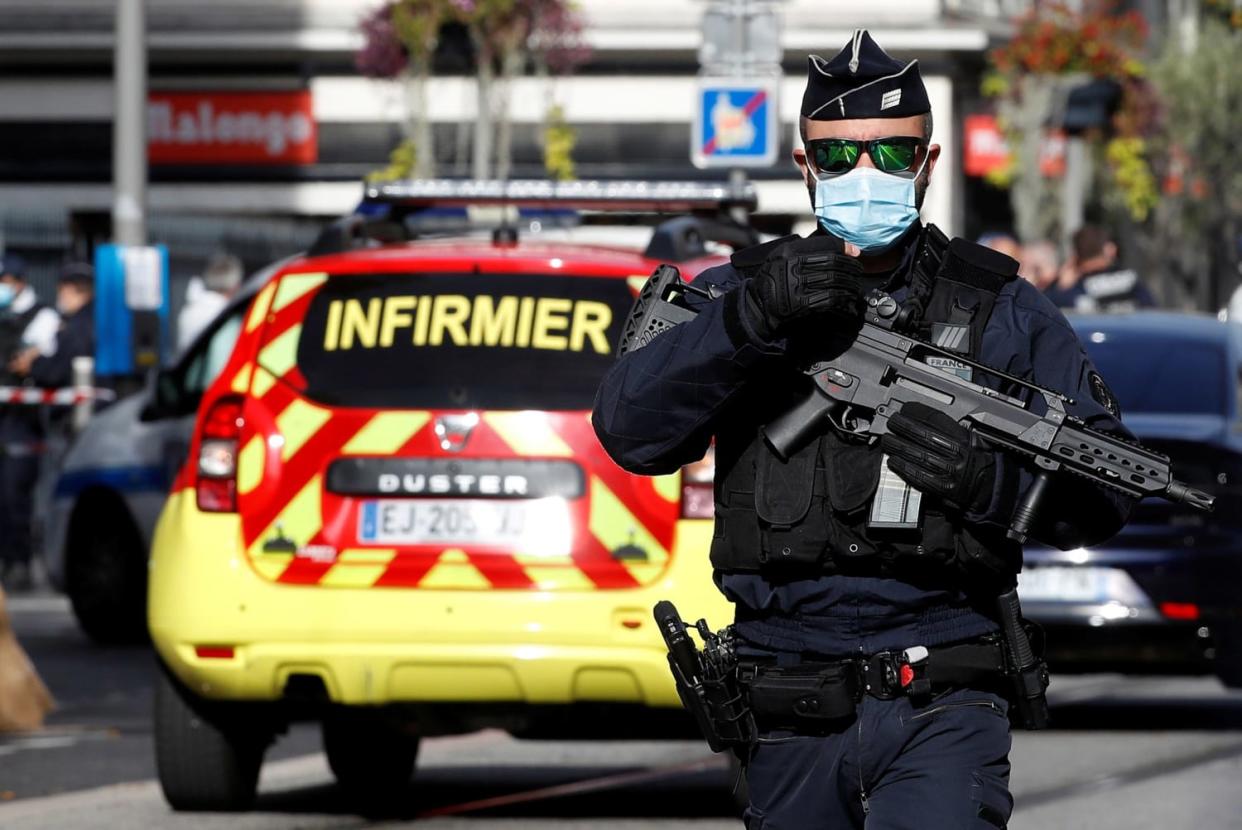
x=1092, y=280
x=39, y=345
x=28, y=330
x=827, y=586
x=206, y=296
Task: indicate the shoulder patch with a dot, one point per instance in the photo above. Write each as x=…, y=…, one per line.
x=1102, y=394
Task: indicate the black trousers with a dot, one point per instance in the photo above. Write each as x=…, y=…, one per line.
x=21, y=440
x=941, y=765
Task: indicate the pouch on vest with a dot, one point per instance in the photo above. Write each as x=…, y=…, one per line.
x=793, y=520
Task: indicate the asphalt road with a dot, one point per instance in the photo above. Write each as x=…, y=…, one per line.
x=1132, y=753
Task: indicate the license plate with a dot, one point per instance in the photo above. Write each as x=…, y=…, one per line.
x=539, y=526
x=1062, y=584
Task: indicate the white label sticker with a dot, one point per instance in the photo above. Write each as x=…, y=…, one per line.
x=144, y=279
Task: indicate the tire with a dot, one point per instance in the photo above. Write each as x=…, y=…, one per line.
x=1228, y=662
x=207, y=754
x=371, y=757
x=106, y=574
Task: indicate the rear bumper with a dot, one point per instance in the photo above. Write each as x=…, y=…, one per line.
x=406, y=645
x=1130, y=647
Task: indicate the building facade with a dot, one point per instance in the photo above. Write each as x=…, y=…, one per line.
x=310, y=127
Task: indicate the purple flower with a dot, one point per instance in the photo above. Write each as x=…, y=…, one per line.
x=381, y=55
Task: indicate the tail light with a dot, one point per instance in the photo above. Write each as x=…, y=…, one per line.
x=696, y=487
x=1180, y=610
x=217, y=456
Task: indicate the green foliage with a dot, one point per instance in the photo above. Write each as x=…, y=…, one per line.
x=401, y=163
x=1202, y=139
x=416, y=24
x=558, y=146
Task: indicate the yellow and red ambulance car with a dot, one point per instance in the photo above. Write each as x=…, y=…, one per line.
x=396, y=516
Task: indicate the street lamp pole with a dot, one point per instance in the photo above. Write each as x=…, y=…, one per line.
x=129, y=126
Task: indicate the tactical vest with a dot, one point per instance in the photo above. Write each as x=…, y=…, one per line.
x=810, y=515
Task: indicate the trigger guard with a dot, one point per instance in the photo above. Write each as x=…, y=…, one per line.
x=847, y=420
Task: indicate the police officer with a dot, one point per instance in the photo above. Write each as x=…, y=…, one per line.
x=24, y=429
x=1096, y=283
x=820, y=575
x=27, y=330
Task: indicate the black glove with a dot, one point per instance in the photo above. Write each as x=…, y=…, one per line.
x=803, y=280
x=940, y=457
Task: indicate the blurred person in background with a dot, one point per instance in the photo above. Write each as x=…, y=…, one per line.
x=206, y=296
x=1002, y=242
x=1039, y=264
x=25, y=322
x=27, y=331
x=1094, y=283
x=75, y=296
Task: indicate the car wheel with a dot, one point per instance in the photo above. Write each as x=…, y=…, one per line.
x=106, y=575
x=1228, y=663
x=207, y=754
x=372, y=757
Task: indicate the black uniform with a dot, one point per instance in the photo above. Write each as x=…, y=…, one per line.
x=21, y=439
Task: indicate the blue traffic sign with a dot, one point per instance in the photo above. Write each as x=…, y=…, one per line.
x=735, y=125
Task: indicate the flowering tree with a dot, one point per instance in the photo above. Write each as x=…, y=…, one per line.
x=399, y=41
x=400, y=38
x=1053, y=49
x=1198, y=229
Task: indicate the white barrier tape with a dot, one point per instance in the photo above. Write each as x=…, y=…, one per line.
x=66, y=396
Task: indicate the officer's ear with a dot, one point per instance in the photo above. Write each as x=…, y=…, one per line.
x=933, y=155
x=799, y=157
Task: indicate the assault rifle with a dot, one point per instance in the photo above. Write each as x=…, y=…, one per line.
x=857, y=390
x=882, y=369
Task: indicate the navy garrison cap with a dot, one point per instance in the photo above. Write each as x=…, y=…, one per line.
x=863, y=81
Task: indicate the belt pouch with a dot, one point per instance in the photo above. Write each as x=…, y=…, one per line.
x=809, y=695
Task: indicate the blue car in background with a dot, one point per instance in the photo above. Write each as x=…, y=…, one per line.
x=1166, y=593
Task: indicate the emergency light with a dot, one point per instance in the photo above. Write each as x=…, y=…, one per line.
x=637, y=196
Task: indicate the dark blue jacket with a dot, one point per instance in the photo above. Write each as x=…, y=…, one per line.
x=1111, y=291
x=658, y=408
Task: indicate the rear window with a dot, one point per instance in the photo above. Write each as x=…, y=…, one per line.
x=1162, y=374
x=470, y=341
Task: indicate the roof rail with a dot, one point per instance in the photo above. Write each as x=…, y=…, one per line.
x=356, y=231
x=633, y=196
x=685, y=237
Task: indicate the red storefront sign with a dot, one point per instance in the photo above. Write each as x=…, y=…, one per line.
x=986, y=148
x=231, y=128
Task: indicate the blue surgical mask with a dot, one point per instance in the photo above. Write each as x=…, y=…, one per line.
x=866, y=206
x=6, y=295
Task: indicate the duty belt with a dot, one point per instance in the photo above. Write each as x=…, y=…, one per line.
x=821, y=694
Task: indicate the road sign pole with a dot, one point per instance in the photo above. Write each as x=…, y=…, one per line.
x=736, y=122
x=737, y=183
